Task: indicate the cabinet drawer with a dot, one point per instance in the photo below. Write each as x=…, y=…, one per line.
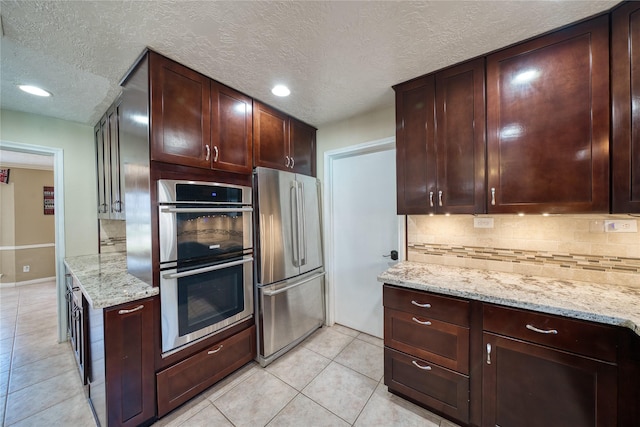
x=184, y=380
x=438, y=307
x=440, y=389
x=589, y=339
x=439, y=342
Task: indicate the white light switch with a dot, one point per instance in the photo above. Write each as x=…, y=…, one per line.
x=483, y=222
x=621, y=226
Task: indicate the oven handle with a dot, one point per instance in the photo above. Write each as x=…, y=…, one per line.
x=203, y=210
x=206, y=269
x=295, y=285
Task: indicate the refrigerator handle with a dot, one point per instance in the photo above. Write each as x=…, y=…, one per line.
x=295, y=238
x=301, y=201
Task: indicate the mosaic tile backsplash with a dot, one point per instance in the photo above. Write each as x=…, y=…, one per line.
x=565, y=247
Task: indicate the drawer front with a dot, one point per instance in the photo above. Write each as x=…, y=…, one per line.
x=439, y=342
x=438, y=388
x=576, y=336
x=438, y=307
x=186, y=379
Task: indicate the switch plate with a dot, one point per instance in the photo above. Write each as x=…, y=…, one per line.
x=621, y=226
x=482, y=222
x=26, y=268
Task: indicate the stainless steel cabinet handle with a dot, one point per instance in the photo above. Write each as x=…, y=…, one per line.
x=215, y=153
x=427, y=323
x=206, y=269
x=431, y=199
x=440, y=198
x=488, y=354
x=542, y=331
x=117, y=206
x=287, y=161
x=426, y=305
x=208, y=152
x=215, y=351
x=140, y=307
x=293, y=162
x=493, y=196
x=424, y=368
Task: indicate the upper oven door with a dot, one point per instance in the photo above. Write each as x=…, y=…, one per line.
x=192, y=229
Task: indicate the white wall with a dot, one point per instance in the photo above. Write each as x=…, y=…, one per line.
x=372, y=126
x=81, y=225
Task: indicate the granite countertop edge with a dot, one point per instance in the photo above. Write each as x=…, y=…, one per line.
x=574, y=299
x=105, y=282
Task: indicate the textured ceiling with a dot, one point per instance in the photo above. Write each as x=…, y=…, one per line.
x=339, y=58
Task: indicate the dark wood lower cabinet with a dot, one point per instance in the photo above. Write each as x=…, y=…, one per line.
x=440, y=389
x=529, y=385
x=184, y=380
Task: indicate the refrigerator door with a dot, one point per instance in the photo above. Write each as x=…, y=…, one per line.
x=310, y=230
x=291, y=311
x=277, y=226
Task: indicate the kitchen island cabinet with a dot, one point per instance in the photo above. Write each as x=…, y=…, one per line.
x=282, y=142
x=625, y=113
x=554, y=353
x=440, y=141
x=548, y=123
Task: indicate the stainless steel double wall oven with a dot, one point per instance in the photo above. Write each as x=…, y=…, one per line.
x=206, y=259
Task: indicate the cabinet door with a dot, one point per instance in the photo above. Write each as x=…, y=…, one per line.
x=530, y=385
x=271, y=137
x=460, y=138
x=548, y=123
x=129, y=363
x=180, y=114
x=303, y=147
x=102, y=167
x=625, y=86
x=115, y=190
x=232, y=130
x=415, y=150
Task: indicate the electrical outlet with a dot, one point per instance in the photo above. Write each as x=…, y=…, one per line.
x=621, y=226
x=482, y=222
x=26, y=268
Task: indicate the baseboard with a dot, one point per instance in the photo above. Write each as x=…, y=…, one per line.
x=28, y=282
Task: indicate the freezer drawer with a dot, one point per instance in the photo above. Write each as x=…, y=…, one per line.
x=288, y=313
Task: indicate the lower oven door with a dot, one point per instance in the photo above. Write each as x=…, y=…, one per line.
x=199, y=301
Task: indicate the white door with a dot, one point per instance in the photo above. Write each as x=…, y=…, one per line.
x=365, y=228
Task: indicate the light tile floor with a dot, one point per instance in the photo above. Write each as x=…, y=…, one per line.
x=334, y=378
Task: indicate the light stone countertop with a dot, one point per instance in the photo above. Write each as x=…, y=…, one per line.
x=608, y=304
x=104, y=280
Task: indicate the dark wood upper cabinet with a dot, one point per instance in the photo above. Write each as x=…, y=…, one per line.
x=440, y=141
x=548, y=123
x=180, y=114
x=282, y=142
x=232, y=130
x=196, y=121
x=625, y=113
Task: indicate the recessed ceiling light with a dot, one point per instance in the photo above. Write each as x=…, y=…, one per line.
x=34, y=90
x=280, y=90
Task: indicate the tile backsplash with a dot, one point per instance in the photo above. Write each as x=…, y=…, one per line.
x=113, y=236
x=562, y=246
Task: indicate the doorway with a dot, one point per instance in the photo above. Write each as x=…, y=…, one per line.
x=362, y=228
x=58, y=179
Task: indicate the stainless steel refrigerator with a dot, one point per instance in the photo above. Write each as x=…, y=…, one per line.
x=290, y=301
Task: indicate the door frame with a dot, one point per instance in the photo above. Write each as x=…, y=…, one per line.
x=58, y=205
x=329, y=248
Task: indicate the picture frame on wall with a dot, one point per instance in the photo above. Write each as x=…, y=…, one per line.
x=4, y=176
x=48, y=196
